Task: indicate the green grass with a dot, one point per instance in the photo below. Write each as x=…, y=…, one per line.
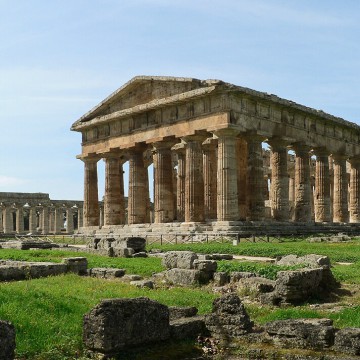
x=140, y=266
x=347, y=251
x=48, y=312
x=268, y=271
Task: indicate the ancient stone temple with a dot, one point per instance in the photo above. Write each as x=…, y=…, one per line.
x=36, y=213
x=224, y=156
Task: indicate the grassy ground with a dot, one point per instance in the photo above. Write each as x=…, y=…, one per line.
x=47, y=313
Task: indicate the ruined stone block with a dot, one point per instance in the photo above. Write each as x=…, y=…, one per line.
x=7, y=340
x=117, y=323
x=348, y=341
x=77, y=265
x=314, y=334
x=188, y=328
x=179, y=259
x=177, y=312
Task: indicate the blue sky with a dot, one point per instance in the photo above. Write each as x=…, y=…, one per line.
x=58, y=59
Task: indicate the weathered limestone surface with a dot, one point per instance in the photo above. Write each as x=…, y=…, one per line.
x=118, y=323
x=279, y=181
x=317, y=334
x=348, y=341
x=340, y=206
x=7, y=340
x=229, y=318
x=179, y=259
x=210, y=178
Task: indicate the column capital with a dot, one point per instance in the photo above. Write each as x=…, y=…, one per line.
x=199, y=136
x=300, y=148
x=210, y=143
x=166, y=144
x=226, y=132
x=321, y=151
x=354, y=160
x=339, y=157
x=277, y=143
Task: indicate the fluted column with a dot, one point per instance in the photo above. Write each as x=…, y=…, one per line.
x=322, y=186
x=302, y=206
x=80, y=217
x=340, y=202
x=19, y=220
x=69, y=221
x=163, y=182
x=8, y=220
x=242, y=174
x=210, y=174
x=32, y=220
x=279, y=181
x=137, y=187
x=354, y=205
x=180, y=186
x=91, y=198
x=1, y=219
x=45, y=220
x=114, y=207
x=194, y=180
x=227, y=190
x=59, y=220
x=255, y=179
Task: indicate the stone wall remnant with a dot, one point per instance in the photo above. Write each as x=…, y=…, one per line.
x=7, y=340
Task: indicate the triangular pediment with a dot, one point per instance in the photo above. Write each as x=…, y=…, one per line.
x=141, y=90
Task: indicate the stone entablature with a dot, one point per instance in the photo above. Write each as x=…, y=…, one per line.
x=36, y=213
x=215, y=132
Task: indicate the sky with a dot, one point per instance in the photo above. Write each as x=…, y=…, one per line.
x=60, y=58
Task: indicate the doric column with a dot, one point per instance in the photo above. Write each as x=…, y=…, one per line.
x=32, y=220
x=210, y=174
x=302, y=206
x=19, y=220
x=45, y=220
x=1, y=219
x=279, y=180
x=180, y=186
x=242, y=174
x=59, y=220
x=340, y=202
x=137, y=187
x=8, y=220
x=114, y=207
x=80, y=217
x=163, y=182
x=194, y=180
x=227, y=190
x=91, y=198
x=255, y=179
x=354, y=205
x=322, y=186
x=69, y=221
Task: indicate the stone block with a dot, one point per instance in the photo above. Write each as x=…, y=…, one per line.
x=106, y=273
x=221, y=278
x=311, y=260
x=209, y=266
x=179, y=259
x=258, y=285
x=77, y=265
x=298, y=285
x=177, y=312
x=142, y=283
x=184, y=276
x=188, y=328
x=118, y=323
x=7, y=340
x=229, y=318
x=235, y=276
x=348, y=341
x=316, y=334
x=122, y=252
x=141, y=254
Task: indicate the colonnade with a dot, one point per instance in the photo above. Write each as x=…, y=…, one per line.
x=219, y=176
x=35, y=219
